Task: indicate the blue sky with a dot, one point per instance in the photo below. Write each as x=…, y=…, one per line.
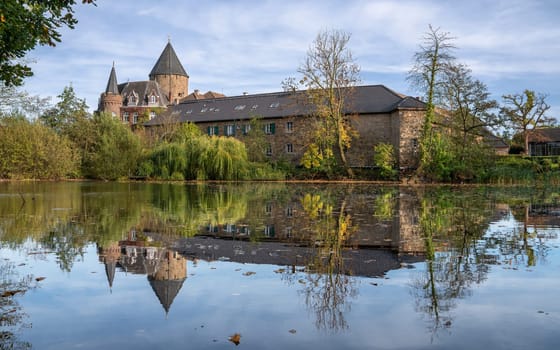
x=250, y=46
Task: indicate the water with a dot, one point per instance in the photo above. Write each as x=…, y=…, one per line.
x=275, y=266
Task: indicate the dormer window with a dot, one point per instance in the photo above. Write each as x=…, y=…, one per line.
x=132, y=99
x=152, y=99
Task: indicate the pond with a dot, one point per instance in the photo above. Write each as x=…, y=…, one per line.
x=87, y=265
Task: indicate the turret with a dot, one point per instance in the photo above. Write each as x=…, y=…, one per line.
x=111, y=101
x=169, y=73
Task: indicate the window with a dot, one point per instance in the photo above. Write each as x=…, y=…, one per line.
x=268, y=208
x=152, y=115
x=213, y=130
x=239, y=107
x=274, y=105
x=132, y=100
x=135, y=118
x=189, y=111
x=254, y=107
x=229, y=130
x=113, y=114
x=289, y=126
x=203, y=110
x=289, y=212
x=289, y=232
x=152, y=99
x=246, y=129
x=269, y=230
x=289, y=148
x=125, y=117
x=269, y=149
x=269, y=128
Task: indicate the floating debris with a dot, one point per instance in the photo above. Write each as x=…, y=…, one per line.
x=11, y=293
x=39, y=279
x=248, y=273
x=236, y=339
x=293, y=331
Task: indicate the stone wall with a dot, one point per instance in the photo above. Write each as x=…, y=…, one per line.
x=110, y=103
x=410, y=130
x=401, y=129
x=176, y=86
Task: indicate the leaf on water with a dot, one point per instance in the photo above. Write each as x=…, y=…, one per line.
x=293, y=331
x=236, y=339
x=39, y=279
x=248, y=273
x=11, y=293
x=280, y=270
x=301, y=281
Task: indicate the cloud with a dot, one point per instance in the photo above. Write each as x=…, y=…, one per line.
x=232, y=47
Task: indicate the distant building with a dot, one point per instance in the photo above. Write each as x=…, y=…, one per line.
x=544, y=142
x=138, y=101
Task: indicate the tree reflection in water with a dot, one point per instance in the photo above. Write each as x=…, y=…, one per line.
x=328, y=287
x=452, y=228
x=12, y=316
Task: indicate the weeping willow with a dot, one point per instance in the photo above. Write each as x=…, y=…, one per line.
x=201, y=158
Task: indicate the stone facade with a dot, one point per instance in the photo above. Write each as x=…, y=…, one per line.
x=176, y=86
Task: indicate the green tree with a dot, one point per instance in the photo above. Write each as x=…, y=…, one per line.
x=112, y=152
x=384, y=159
x=329, y=73
x=431, y=64
x=67, y=111
x=525, y=112
x=25, y=24
x=32, y=151
x=255, y=140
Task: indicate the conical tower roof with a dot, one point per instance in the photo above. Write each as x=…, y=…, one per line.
x=112, y=86
x=168, y=63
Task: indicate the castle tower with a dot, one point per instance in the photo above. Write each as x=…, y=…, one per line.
x=169, y=73
x=111, y=101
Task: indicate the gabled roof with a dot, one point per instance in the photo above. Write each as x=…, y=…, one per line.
x=544, y=135
x=112, y=86
x=370, y=99
x=196, y=95
x=168, y=63
x=143, y=89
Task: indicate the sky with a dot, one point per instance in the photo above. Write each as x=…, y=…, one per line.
x=233, y=47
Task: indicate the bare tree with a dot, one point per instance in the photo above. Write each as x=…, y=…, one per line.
x=525, y=112
x=330, y=74
x=472, y=111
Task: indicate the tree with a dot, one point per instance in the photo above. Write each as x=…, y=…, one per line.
x=431, y=63
x=30, y=150
x=25, y=24
x=66, y=112
x=526, y=111
x=16, y=101
x=470, y=107
x=329, y=74
x=113, y=150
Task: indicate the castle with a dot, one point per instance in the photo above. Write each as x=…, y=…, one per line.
x=168, y=84
x=377, y=114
